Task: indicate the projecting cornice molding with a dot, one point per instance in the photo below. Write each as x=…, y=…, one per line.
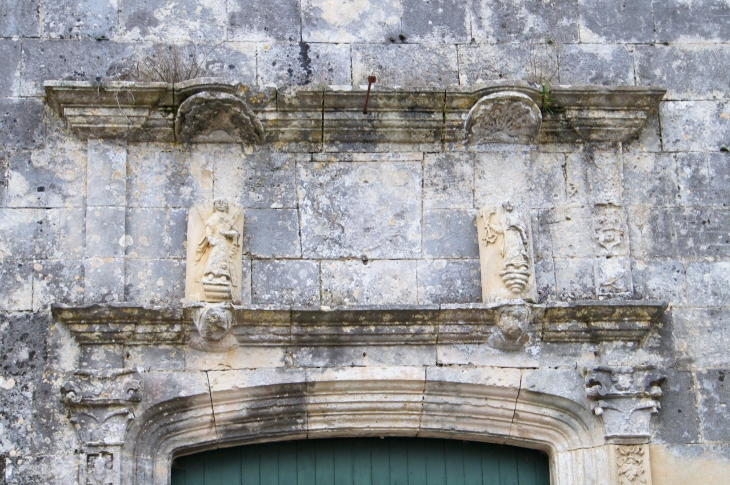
x=588, y=321
x=216, y=110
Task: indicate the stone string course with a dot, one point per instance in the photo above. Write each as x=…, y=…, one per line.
x=101, y=222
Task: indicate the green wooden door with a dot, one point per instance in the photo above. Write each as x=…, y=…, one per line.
x=364, y=461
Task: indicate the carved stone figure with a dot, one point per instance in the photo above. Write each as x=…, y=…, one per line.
x=505, y=252
x=214, y=252
x=625, y=398
x=214, y=322
x=511, y=330
x=506, y=117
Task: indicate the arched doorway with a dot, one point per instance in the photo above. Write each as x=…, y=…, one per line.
x=364, y=461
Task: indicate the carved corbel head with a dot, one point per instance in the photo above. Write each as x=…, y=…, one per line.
x=511, y=331
x=214, y=322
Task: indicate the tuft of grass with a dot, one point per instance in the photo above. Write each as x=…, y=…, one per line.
x=169, y=64
x=542, y=68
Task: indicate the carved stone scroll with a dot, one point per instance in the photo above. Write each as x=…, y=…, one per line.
x=215, y=117
x=505, y=253
x=506, y=117
x=625, y=398
x=214, y=252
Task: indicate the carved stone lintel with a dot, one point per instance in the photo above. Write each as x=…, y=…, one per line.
x=214, y=323
x=511, y=331
x=216, y=117
x=214, y=267
x=505, y=253
x=505, y=117
x=625, y=398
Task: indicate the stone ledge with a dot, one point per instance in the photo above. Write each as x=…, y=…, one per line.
x=586, y=321
x=332, y=120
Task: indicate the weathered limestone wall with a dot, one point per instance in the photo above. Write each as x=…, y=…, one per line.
x=105, y=221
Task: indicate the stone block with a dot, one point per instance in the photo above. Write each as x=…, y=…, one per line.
x=650, y=178
x=146, y=235
x=271, y=233
x=238, y=358
x=682, y=464
x=570, y=232
x=703, y=179
x=449, y=281
x=233, y=60
x=575, y=278
x=597, y=64
x=264, y=21
x=103, y=280
x=355, y=209
x=166, y=283
x=20, y=18
x=502, y=175
x=708, y=284
x=405, y=65
x=436, y=21
x=649, y=138
x=605, y=174
x=57, y=281
x=71, y=240
x=690, y=22
x=304, y=64
x=3, y=176
x=448, y=181
x=155, y=358
x=613, y=276
x=70, y=60
x=101, y=357
x=105, y=236
x=678, y=420
x=10, y=76
x=285, y=283
x=177, y=228
x=23, y=347
x=652, y=232
x=714, y=393
x=106, y=173
x=190, y=20
x=518, y=21
x=325, y=357
x=546, y=180
x=545, y=280
x=694, y=126
x=608, y=21
x=542, y=240
x=702, y=232
x=47, y=178
x=21, y=122
x=450, y=234
x=676, y=67
x=28, y=234
x=372, y=22
x=388, y=282
x=566, y=383
x=702, y=335
x=167, y=176
x=484, y=355
x=483, y=63
x=68, y=19
x=659, y=280
x=16, y=292
x=262, y=180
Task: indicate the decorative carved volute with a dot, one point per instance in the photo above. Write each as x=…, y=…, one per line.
x=214, y=250
x=505, y=117
x=216, y=117
x=625, y=398
x=505, y=253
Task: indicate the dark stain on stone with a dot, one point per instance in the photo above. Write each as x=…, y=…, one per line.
x=305, y=62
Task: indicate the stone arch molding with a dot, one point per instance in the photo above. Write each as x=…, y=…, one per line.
x=226, y=408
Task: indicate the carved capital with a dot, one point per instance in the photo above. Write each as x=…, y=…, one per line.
x=505, y=254
x=505, y=117
x=625, y=398
x=102, y=387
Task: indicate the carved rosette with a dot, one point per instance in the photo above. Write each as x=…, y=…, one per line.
x=506, y=117
x=216, y=117
x=100, y=407
x=505, y=253
x=625, y=398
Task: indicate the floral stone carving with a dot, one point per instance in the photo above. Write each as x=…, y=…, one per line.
x=625, y=397
x=215, y=117
x=632, y=465
x=506, y=117
x=505, y=253
x=214, y=252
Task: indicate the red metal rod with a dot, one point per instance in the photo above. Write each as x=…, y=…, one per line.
x=371, y=80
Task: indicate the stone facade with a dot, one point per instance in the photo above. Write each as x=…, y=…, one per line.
x=523, y=241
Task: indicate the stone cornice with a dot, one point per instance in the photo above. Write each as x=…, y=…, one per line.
x=328, y=119
x=587, y=321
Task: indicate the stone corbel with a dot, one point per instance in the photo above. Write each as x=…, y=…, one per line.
x=100, y=407
x=214, y=322
x=625, y=398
